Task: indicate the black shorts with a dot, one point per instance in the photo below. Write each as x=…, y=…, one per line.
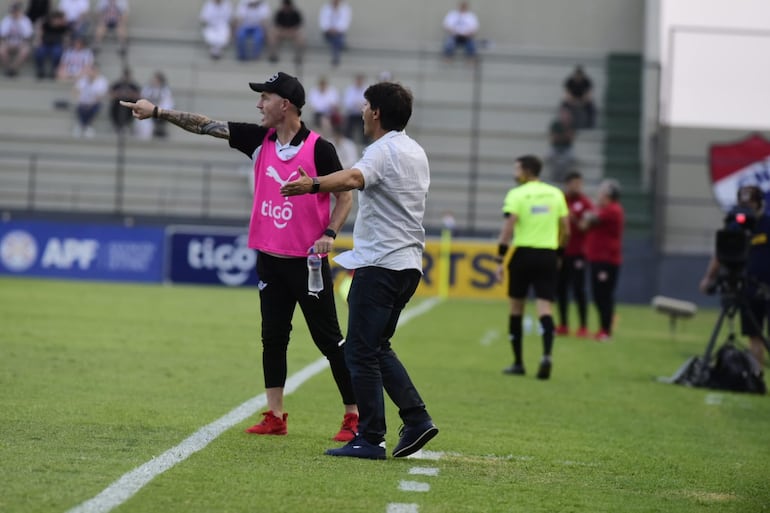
x=533, y=267
x=761, y=310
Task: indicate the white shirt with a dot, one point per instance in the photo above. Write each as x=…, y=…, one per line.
x=324, y=101
x=388, y=231
x=461, y=23
x=335, y=19
x=15, y=30
x=213, y=13
x=74, y=9
x=252, y=16
x=75, y=61
x=91, y=91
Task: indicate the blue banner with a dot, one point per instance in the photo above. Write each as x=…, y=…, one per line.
x=81, y=251
x=211, y=256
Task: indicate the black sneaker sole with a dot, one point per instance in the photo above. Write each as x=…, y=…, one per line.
x=418, y=444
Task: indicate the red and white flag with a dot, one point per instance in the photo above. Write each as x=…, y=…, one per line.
x=734, y=165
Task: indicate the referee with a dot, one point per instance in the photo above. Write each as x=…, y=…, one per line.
x=537, y=220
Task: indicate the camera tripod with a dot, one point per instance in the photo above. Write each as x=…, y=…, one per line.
x=697, y=370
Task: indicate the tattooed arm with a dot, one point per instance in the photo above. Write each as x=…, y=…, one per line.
x=195, y=123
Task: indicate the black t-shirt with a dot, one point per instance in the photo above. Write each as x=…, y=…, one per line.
x=54, y=34
x=578, y=88
x=123, y=90
x=247, y=137
x=288, y=19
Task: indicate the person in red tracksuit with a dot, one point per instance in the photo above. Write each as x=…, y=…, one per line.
x=603, y=249
x=572, y=271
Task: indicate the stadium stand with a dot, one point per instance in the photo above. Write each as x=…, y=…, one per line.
x=472, y=122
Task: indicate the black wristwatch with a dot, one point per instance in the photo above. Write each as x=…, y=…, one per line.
x=316, y=185
x=330, y=233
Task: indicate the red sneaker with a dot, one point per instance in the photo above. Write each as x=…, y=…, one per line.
x=270, y=425
x=349, y=428
x=582, y=332
x=561, y=330
x=602, y=336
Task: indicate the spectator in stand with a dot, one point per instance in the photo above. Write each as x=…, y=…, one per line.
x=112, y=16
x=123, y=89
x=216, y=18
x=323, y=100
x=578, y=90
x=16, y=32
x=51, y=34
x=90, y=90
x=334, y=20
x=572, y=270
x=38, y=9
x=251, y=19
x=159, y=93
x=332, y=128
x=77, y=13
x=287, y=25
x=562, y=135
x=603, y=248
x=461, y=26
x=352, y=103
x=75, y=61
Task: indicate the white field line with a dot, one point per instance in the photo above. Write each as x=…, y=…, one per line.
x=423, y=471
x=489, y=337
x=130, y=483
x=398, y=507
x=413, y=486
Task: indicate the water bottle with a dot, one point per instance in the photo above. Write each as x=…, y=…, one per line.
x=315, y=282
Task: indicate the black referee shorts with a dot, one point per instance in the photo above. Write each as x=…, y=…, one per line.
x=536, y=268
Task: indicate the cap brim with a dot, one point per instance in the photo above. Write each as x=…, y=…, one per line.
x=257, y=86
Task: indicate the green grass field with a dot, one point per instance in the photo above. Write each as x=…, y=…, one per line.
x=98, y=379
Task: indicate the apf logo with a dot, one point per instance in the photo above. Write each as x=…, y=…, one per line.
x=233, y=262
x=18, y=251
x=281, y=214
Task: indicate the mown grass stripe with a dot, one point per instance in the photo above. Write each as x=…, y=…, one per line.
x=130, y=483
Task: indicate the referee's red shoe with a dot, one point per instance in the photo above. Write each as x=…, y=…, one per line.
x=561, y=330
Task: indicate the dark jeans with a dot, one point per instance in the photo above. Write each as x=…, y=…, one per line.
x=604, y=279
x=337, y=43
x=376, y=299
x=87, y=112
x=52, y=53
x=572, y=278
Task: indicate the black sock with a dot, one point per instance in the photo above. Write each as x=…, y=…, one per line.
x=514, y=329
x=546, y=322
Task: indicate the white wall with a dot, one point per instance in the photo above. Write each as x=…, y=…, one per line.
x=714, y=55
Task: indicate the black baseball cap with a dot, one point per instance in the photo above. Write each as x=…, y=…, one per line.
x=285, y=86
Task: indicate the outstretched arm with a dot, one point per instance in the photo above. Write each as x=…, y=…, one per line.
x=195, y=123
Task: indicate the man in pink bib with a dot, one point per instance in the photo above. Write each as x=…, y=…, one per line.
x=282, y=230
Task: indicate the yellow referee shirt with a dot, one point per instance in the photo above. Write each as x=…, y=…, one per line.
x=538, y=207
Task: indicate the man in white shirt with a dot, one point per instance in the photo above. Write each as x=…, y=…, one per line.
x=90, y=90
x=252, y=18
x=461, y=26
x=352, y=105
x=77, y=13
x=392, y=178
x=216, y=17
x=16, y=32
x=334, y=20
x=323, y=100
